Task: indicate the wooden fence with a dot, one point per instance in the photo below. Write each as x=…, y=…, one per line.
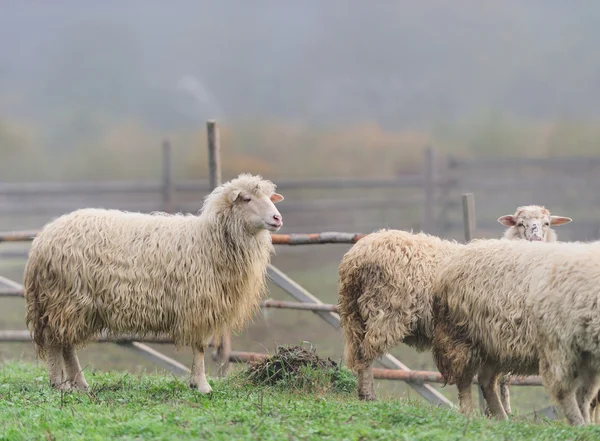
x=395, y=369
x=427, y=200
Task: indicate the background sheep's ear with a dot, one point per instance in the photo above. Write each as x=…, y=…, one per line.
x=508, y=220
x=234, y=195
x=276, y=197
x=559, y=220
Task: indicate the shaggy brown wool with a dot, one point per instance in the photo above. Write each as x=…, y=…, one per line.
x=521, y=307
x=384, y=296
x=186, y=276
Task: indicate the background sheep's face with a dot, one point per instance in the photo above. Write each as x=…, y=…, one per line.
x=259, y=211
x=532, y=222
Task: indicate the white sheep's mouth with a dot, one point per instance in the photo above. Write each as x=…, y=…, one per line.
x=273, y=227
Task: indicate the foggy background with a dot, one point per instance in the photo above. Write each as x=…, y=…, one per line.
x=302, y=90
x=99, y=79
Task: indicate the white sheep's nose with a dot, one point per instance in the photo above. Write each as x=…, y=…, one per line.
x=277, y=220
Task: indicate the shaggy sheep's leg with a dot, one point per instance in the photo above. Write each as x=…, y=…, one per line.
x=465, y=396
x=587, y=392
x=561, y=387
x=594, y=412
x=505, y=393
x=366, y=386
x=464, y=382
x=73, y=369
x=567, y=401
x=54, y=360
x=198, y=375
x=488, y=378
x=456, y=364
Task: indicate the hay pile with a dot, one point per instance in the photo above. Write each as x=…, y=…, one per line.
x=289, y=363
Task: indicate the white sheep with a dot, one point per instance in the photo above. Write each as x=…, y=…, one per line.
x=532, y=222
x=521, y=307
x=188, y=276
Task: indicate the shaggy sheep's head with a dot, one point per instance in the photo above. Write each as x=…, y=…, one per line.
x=254, y=199
x=532, y=222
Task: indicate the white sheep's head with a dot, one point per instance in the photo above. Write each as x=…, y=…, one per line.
x=250, y=201
x=532, y=222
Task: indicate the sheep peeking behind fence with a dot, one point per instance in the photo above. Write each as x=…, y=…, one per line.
x=188, y=276
x=532, y=222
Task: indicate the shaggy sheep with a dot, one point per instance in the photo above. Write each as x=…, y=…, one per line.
x=521, y=307
x=186, y=276
x=384, y=297
x=532, y=222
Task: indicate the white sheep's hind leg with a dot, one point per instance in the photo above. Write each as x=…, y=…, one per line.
x=198, y=375
x=587, y=391
x=54, y=359
x=562, y=388
x=594, y=411
x=73, y=369
x=505, y=393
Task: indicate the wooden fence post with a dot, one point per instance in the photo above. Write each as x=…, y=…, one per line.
x=167, y=183
x=468, y=206
x=214, y=154
x=223, y=348
x=428, y=222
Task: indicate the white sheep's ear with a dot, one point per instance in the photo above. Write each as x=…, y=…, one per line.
x=559, y=220
x=234, y=195
x=276, y=197
x=508, y=220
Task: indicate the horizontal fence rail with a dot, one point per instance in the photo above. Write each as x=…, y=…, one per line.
x=584, y=162
x=278, y=239
x=278, y=304
x=198, y=186
x=248, y=357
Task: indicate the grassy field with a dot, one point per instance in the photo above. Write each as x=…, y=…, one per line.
x=124, y=406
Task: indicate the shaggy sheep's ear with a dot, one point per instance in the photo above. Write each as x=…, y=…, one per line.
x=559, y=220
x=276, y=197
x=234, y=195
x=508, y=220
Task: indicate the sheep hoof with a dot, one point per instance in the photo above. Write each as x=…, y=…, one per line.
x=64, y=386
x=202, y=388
x=80, y=385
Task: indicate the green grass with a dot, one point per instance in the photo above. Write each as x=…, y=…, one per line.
x=122, y=406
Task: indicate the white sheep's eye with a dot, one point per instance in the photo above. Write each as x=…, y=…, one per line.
x=547, y=224
x=247, y=199
x=520, y=225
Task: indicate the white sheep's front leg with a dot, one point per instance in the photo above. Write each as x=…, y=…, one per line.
x=198, y=375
